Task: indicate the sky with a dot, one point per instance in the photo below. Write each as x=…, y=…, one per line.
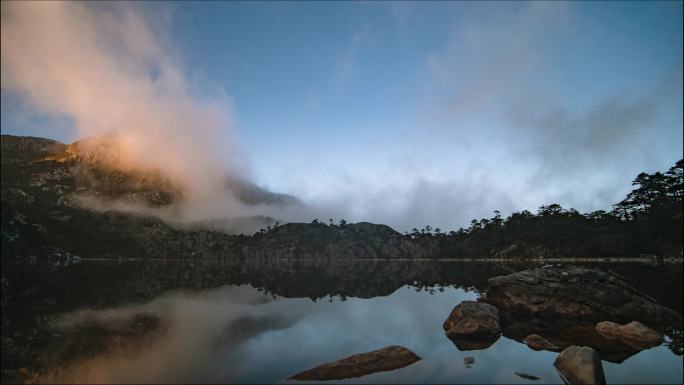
x=404, y=113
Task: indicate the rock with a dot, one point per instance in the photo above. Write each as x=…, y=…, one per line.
x=389, y=358
x=473, y=320
x=527, y=376
x=609, y=330
x=580, y=365
x=585, y=293
x=634, y=334
x=468, y=361
x=537, y=342
x=564, y=333
x=466, y=345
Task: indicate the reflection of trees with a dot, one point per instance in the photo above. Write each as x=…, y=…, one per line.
x=32, y=293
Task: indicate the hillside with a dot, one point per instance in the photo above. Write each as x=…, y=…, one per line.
x=44, y=183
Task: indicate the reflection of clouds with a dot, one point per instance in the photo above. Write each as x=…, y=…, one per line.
x=660, y=362
x=237, y=334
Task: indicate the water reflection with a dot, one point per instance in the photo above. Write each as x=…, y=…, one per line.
x=264, y=321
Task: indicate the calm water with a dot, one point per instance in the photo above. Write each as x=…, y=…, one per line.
x=265, y=321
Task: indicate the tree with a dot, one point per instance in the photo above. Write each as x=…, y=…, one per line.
x=343, y=222
x=497, y=221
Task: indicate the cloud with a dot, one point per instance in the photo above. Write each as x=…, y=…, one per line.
x=109, y=69
x=499, y=90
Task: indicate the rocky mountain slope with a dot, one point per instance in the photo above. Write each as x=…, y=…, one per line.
x=44, y=183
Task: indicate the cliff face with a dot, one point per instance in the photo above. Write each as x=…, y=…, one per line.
x=44, y=183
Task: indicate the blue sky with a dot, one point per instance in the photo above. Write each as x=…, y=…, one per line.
x=416, y=112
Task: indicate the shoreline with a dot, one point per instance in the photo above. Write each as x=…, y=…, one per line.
x=642, y=260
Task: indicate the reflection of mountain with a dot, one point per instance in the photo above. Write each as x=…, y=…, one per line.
x=32, y=293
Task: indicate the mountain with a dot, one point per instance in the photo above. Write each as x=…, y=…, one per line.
x=53, y=194
x=85, y=166
x=45, y=184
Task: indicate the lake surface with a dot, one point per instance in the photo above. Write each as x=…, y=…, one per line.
x=264, y=321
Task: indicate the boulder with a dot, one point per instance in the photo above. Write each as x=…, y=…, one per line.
x=609, y=330
x=637, y=333
x=563, y=333
x=580, y=365
x=576, y=292
x=389, y=358
x=634, y=334
x=469, y=344
x=537, y=342
x=473, y=320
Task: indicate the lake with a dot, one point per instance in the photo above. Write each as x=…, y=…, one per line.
x=265, y=320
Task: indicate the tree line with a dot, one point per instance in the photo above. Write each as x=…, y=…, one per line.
x=647, y=222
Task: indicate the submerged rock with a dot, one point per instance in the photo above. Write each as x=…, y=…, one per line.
x=537, y=342
x=389, y=358
x=468, y=362
x=472, y=320
x=634, y=334
x=580, y=293
x=527, y=376
x=580, y=365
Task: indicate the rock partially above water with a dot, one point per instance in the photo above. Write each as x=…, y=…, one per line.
x=389, y=358
x=609, y=330
x=473, y=320
x=580, y=365
x=537, y=342
x=634, y=334
x=563, y=332
x=585, y=293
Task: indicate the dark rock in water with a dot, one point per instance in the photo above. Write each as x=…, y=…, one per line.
x=465, y=345
x=563, y=333
x=389, y=358
x=473, y=320
x=581, y=293
x=537, y=342
x=609, y=330
x=473, y=325
x=527, y=376
x=634, y=334
x=468, y=362
x=580, y=365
